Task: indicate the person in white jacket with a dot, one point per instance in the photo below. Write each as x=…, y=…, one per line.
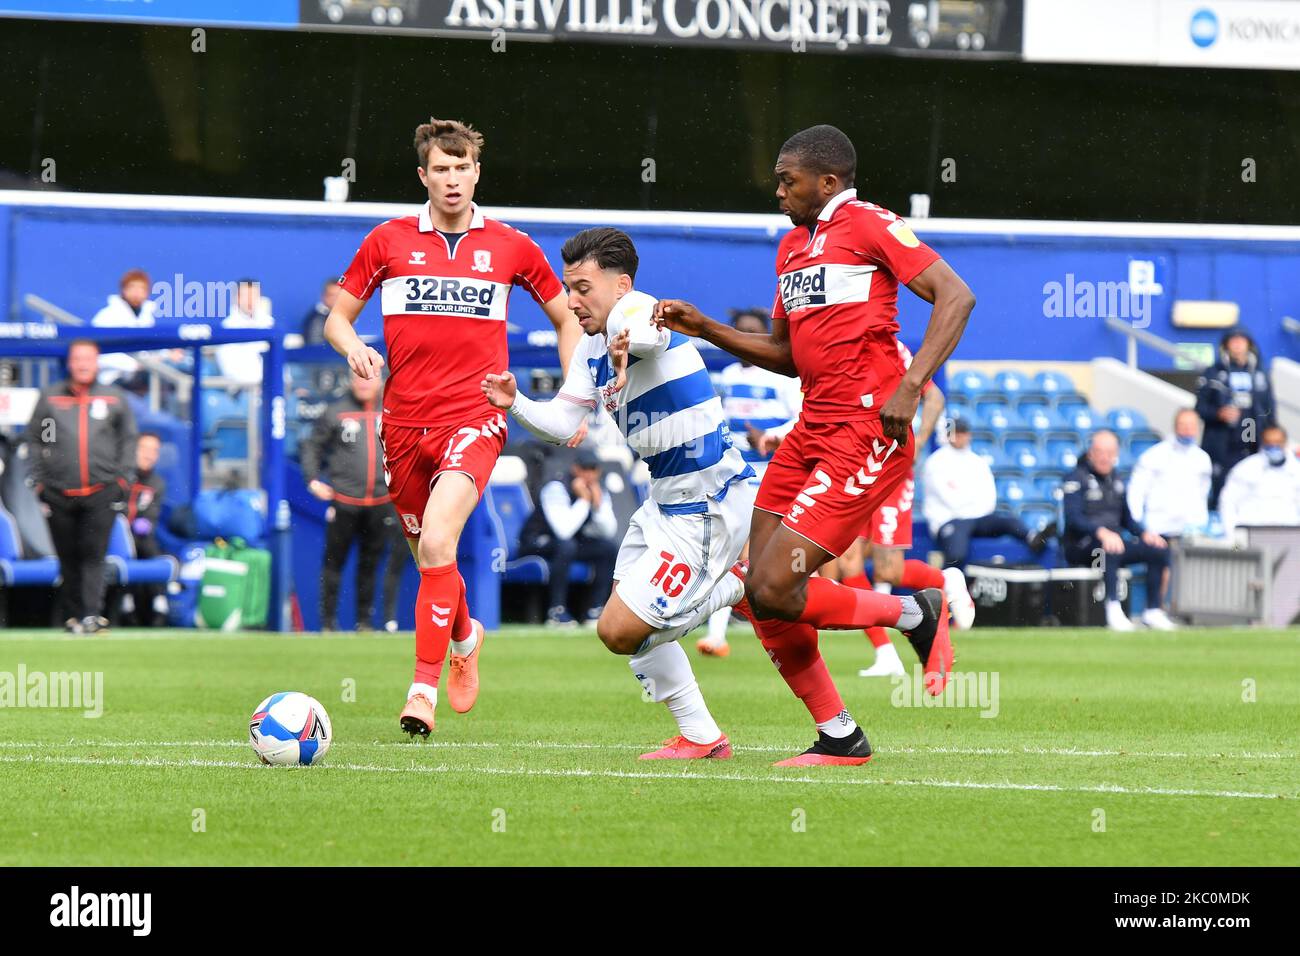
x=241, y=362
x=1263, y=489
x=130, y=308
x=960, y=501
x=1170, y=484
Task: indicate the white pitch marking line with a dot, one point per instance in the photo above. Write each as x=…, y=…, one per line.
x=644, y=775
x=549, y=745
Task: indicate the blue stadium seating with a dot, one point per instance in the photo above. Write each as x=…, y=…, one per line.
x=1031, y=401
x=1022, y=450
x=1011, y=382
x=1124, y=421
x=1038, y=420
x=15, y=570
x=1138, y=442
x=968, y=383
x=1054, y=383
x=509, y=506
x=1012, y=490
x=1046, y=485
x=1037, y=515
x=219, y=404
x=1080, y=419
x=126, y=569
x=1061, y=450
x=985, y=444
x=230, y=439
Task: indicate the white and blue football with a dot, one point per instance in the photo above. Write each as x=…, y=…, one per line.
x=290, y=728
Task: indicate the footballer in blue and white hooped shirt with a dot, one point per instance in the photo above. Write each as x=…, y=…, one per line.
x=674, y=566
x=758, y=403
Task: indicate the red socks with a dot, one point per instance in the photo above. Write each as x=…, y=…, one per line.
x=876, y=635
x=833, y=606
x=793, y=649
x=918, y=575
x=460, y=626
x=437, y=607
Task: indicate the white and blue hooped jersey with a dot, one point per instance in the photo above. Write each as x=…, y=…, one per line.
x=755, y=396
x=668, y=411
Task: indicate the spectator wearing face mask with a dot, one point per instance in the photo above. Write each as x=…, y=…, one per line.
x=1235, y=400
x=1170, y=484
x=1263, y=489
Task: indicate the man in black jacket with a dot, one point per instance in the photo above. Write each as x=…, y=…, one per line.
x=1096, y=511
x=82, y=440
x=1235, y=400
x=144, y=501
x=342, y=462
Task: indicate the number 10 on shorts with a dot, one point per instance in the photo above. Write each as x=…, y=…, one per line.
x=672, y=577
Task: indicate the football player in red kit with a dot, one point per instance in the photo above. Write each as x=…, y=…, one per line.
x=444, y=279
x=834, y=325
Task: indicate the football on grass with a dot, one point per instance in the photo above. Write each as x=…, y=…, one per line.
x=290, y=728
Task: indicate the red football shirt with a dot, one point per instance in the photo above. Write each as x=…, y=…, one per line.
x=445, y=305
x=837, y=284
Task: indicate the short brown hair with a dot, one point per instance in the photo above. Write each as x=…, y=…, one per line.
x=451, y=136
x=134, y=275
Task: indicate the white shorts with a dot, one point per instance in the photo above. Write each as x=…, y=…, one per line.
x=668, y=563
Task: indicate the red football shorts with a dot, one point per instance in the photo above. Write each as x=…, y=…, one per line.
x=414, y=458
x=828, y=478
x=891, y=525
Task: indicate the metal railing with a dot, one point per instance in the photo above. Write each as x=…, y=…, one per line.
x=159, y=371
x=1151, y=341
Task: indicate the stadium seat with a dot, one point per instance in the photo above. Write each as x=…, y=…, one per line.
x=1047, y=485
x=999, y=421
x=509, y=505
x=1013, y=489
x=1054, y=383
x=1022, y=450
x=1031, y=401
x=219, y=405
x=1061, y=450
x=1124, y=421
x=1011, y=382
x=985, y=444
x=958, y=410
x=1067, y=404
x=1138, y=442
x=1037, y=420
x=126, y=569
x=986, y=403
x=968, y=383
x=16, y=571
x=230, y=439
x=1079, y=418
x=1038, y=515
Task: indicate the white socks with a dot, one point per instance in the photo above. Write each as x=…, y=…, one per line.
x=468, y=644
x=724, y=594
x=428, y=690
x=839, y=726
x=718, y=622
x=666, y=676
x=911, y=615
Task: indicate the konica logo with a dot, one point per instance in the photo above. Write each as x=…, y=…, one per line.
x=1204, y=28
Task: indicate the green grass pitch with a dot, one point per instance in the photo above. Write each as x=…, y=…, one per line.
x=1106, y=749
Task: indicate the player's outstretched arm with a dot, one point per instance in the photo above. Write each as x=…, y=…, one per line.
x=769, y=351
x=339, y=333
x=567, y=329
x=953, y=302
x=555, y=421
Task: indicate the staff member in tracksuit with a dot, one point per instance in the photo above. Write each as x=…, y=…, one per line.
x=82, y=440
x=343, y=463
